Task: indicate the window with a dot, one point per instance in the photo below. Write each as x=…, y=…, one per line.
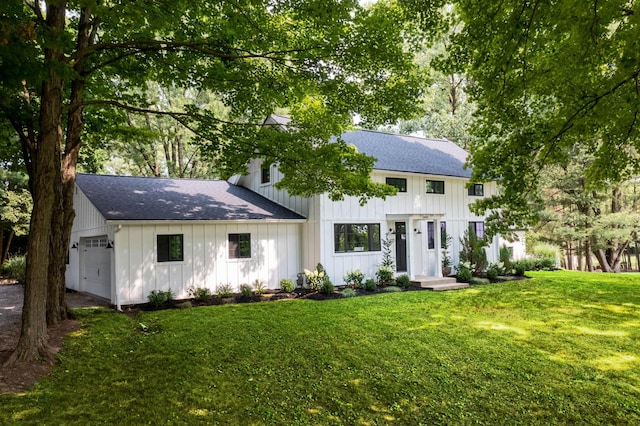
x=478, y=228
x=443, y=235
x=435, y=187
x=239, y=246
x=477, y=189
x=356, y=237
x=266, y=173
x=431, y=237
x=399, y=183
x=170, y=248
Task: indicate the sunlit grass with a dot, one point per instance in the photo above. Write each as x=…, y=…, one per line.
x=559, y=348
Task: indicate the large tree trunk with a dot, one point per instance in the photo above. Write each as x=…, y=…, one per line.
x=32, y=345
x=587, y=253
x=7, y=246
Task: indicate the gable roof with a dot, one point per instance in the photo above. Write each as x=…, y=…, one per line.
x=403, y=153
x=143, y=198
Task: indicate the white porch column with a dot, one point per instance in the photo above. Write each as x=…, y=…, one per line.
x=436, y=239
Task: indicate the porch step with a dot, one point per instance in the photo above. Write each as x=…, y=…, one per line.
x=439, y=284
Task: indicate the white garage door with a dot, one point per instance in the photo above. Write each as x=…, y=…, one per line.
x=97, y=267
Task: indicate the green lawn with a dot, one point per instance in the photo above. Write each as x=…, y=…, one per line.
x=563, y=347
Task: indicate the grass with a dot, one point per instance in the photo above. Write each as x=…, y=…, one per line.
x=563, y=347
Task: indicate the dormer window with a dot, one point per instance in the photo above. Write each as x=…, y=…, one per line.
x=399, y=183
x=477, y=190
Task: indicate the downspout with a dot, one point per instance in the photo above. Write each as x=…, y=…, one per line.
x=117, y=229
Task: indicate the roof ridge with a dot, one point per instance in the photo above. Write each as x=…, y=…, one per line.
x=155, y=177
x=404, y=135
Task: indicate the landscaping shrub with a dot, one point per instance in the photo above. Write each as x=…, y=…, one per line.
x=286, y=285
x=403, y=281
x=370, y=284
x=384, y=274
x=348, y=292
x=259, y=287
x=15, y=268
x=523, y=265
x=493, y=271
x=506, y=258
x=246, y=290
x=473, y=252
x=327, y=286
x=545, y=263
x=392, y=289
x=464, y=273
x=316, y=279
x=478, y=280
x=158, y=297
x=201, y=294
x=354, y=278
x=224, y=291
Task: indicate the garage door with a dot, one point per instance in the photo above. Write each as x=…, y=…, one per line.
x=97, y=267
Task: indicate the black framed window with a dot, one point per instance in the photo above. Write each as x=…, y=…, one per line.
x=476, y=190
x=239, y=246
x=265, y=172
x=352, y=237
x=478, y=228
x=399, y=183
x=443, y=235
x=431, y=236
x=170, y=248
x=435, y=187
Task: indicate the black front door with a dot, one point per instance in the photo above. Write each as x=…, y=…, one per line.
x=401, y=247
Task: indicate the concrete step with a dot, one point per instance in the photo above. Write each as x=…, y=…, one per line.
x=439, y=284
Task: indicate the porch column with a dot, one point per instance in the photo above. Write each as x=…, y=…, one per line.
x=436, y=239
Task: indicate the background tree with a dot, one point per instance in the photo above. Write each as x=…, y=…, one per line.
x=63, y=61
x=548, y=76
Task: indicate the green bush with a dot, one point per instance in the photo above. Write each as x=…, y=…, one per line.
x=224, y=291
x=545, y=263
x=493, y=271
x=403, y=281
x=545, y=250
x=473, y=252
x=478, y=280
x=246, y=290
x=506, y=258
x=523, y=265
x=392, y=289
x=201, y=294
x=370, y=284
x=464, y=273
x=286, y=285
x=259, y=287
x=327, y=286
x=348, y=292
x=384, y=274
x=354, y=278
x=15, y=268
x=158, y=297
x=317, y=278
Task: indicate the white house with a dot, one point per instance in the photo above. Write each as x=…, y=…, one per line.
x=133, y=235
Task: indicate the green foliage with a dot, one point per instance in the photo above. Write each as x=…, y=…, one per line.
x=159, y=297
x=464, y=273
x=392, y=289
x=348, y=292
x=494, y=271
x=286, y=285
x=354, y=279
x=327, y=286
x=473, y=251
x=403, y=281
x=505, y=257
x=15, y=268
x=479, y=280
x=201, y=294
x=387, y=251
x=15, y=202
x=446, y=240
x=370, y=284
x=384, y=275
x=224, y=291
x=246, y=290
x=259, y=286
x=316, y=278
x=523, y=265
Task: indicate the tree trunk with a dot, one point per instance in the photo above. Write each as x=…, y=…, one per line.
x=5, y=252
x=601, y=255
x=32, y=345
x=587, y=253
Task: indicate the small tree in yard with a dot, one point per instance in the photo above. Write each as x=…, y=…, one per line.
x=473, y=252
x=387, y=251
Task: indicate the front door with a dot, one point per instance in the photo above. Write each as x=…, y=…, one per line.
x=401, y=246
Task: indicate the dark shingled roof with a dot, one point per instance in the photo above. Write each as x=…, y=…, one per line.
x=141, y=198
x=413, y=154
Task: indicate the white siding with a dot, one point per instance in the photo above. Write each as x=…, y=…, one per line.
x=275, y=254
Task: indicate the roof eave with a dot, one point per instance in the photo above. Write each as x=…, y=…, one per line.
x=200, y=221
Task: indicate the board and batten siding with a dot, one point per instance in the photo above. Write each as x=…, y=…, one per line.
x=88, y=222
x=275, y=254
x=452, y=207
